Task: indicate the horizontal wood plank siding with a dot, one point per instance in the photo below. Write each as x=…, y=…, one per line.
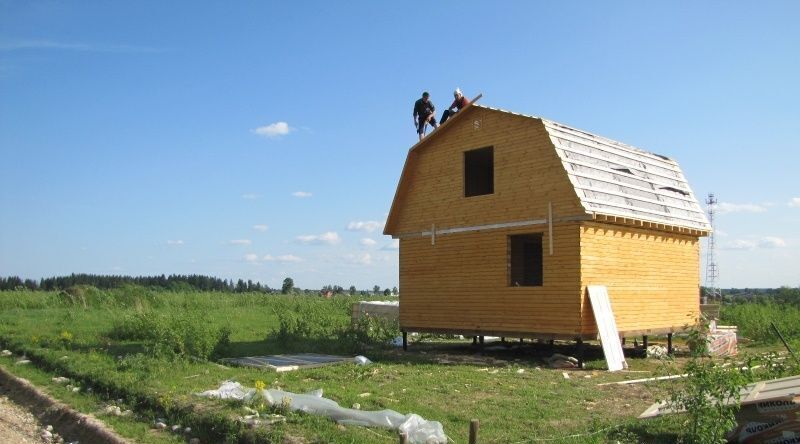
x=652, y=277
x=461, y=284
x=527, y=175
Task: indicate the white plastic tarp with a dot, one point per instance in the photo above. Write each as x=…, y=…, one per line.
x=414, y=426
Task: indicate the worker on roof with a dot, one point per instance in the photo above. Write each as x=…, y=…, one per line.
x=459, y=103
x=423, y=114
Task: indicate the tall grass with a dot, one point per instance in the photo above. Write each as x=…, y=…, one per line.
x=753, y=320
x=314, y=325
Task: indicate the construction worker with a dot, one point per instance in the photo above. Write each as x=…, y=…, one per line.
x=423, y=114
x=459, y=103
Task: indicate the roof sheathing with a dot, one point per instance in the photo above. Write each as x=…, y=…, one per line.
x=615, y=179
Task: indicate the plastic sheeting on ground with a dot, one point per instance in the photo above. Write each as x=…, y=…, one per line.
x=414, y=426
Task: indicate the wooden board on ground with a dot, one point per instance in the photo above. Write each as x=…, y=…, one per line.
x=285, y=363
x=607, y=326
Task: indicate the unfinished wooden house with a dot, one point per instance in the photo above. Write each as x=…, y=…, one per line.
x=504, y=219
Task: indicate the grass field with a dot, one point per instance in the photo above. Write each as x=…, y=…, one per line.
x=140, y=346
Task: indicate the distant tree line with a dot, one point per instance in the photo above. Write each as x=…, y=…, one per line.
x=171, y=282
x=177, y=282
x=783, y=295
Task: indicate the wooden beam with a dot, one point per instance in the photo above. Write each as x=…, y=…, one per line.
x=550, y=225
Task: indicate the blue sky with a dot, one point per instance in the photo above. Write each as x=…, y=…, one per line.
x=260, y=140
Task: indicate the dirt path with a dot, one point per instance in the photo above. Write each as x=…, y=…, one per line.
x=17, y=425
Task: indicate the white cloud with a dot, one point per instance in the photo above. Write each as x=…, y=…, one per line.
x=367, y=226
x=359, y=259
x=727, y=207
x=175, y=242
x=367, y=242
x=240, y=242
x=393, y=245
x=301, y=194
x=771, y=242
x=273, y=130
x=794, y=202
x=765, y=242
x=250, y=196
x=327, y=238
x=739, y=244
x=282, y=258
x=261, y=227
x=252, y=257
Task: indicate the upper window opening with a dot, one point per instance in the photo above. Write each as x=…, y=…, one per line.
x=479, y=172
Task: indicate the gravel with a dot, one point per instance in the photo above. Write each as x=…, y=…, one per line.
x=18, y=425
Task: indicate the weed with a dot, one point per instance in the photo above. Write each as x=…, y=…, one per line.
x=753, y=320
x=182, y=335
x=709, y=394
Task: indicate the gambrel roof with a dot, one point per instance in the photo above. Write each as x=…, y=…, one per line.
x=612, y=180
x=615, y=179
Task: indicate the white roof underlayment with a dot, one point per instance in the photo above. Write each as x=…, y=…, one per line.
x=616, y=179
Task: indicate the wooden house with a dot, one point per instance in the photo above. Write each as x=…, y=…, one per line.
x=504, y=219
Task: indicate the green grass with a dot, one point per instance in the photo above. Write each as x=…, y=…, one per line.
x=136, y=427
x=73, y=335
x=753, y=320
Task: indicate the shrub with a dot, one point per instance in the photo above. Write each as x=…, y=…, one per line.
x=709, y=394
x=323, y=325
x=180, y=335
x=753, y=319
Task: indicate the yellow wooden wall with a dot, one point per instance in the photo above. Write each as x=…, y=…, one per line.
x=461, y=284
x=527, y=175
x=652, y=277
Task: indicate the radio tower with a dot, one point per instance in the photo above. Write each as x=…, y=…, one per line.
x=712, y=272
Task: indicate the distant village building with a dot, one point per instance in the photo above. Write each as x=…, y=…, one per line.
x=504, y=220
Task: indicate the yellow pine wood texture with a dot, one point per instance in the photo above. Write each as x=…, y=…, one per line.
x=652, y=276
x=527, y=175
x=461, y=284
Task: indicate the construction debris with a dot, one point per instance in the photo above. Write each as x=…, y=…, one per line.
x=769, y=412
x=636, y=381
x=285, y=363
x=387, y=310
x=417, y=429
x=562, y=361
x=657, y=351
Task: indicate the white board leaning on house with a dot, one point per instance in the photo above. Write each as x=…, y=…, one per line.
x=607, y=326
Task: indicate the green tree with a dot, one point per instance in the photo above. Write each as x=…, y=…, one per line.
x=387, y=292
x=395, y=291
x=352, y=290
x=288, y=286
x=376, y=289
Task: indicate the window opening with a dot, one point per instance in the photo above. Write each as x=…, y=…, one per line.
x=526, y=260
x=479, y=172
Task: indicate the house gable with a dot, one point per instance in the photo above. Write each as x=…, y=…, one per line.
x=529, y=177
x=538, y=163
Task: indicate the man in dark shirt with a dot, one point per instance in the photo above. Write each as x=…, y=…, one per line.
x=459, y=103
x=423, y=113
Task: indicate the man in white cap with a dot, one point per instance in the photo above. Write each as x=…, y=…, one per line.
x=459, y=103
